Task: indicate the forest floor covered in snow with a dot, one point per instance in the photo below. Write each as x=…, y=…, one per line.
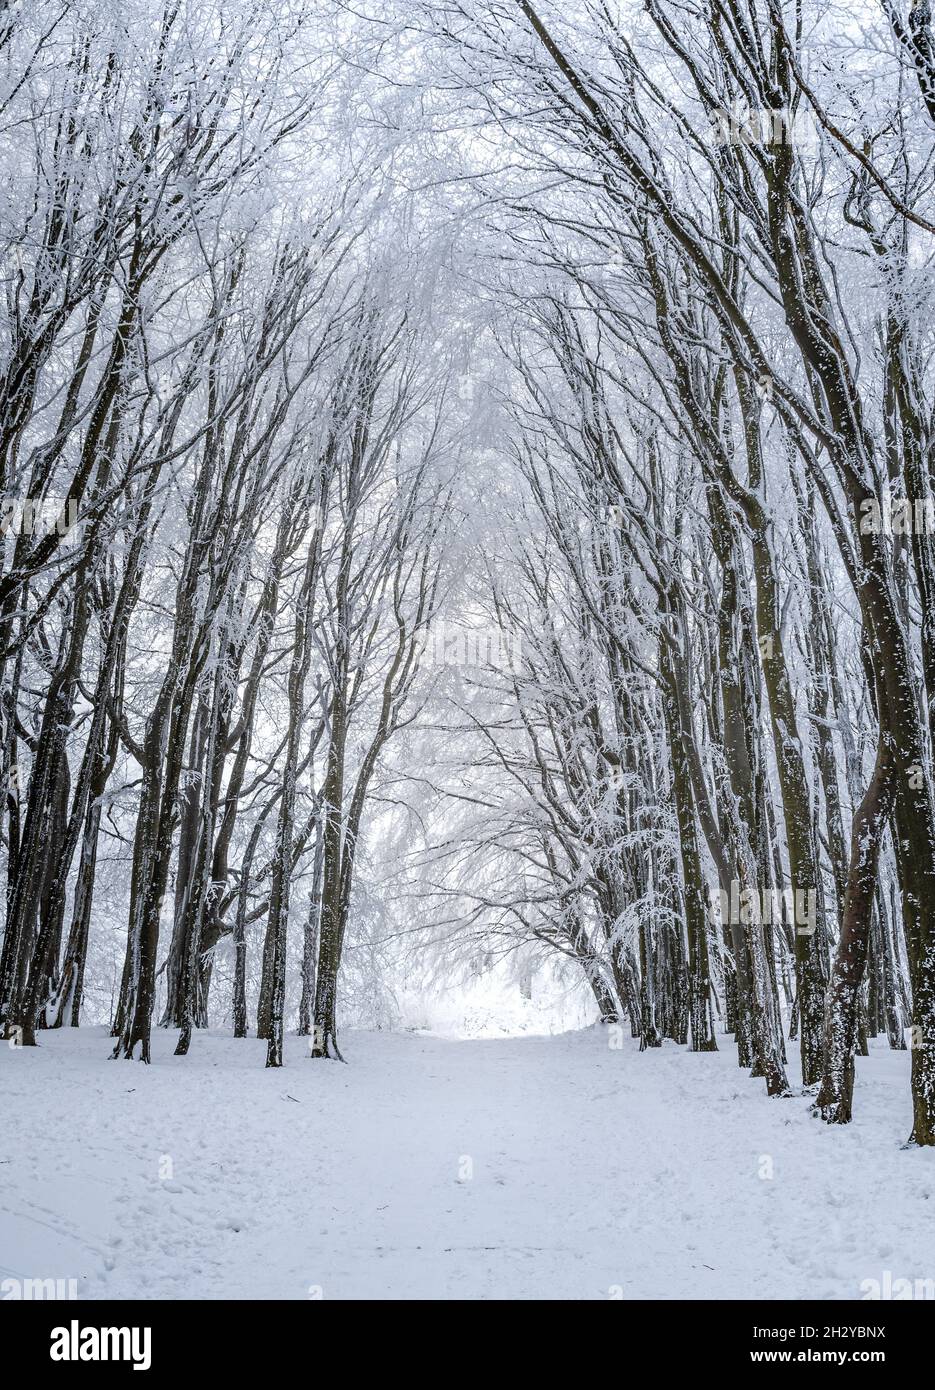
x=538, y=1167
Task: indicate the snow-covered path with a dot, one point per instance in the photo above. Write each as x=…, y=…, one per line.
x=523, y=1168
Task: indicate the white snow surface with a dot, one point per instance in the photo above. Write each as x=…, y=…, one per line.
x=428, y=1167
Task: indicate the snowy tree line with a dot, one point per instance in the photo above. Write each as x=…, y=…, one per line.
x=596, y=336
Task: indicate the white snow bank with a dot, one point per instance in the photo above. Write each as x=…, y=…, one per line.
x=526, y=1168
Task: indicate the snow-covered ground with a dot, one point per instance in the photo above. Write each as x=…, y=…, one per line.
x=427, y=1167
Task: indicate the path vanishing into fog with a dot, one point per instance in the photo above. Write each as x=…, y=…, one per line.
x=435, y=1168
